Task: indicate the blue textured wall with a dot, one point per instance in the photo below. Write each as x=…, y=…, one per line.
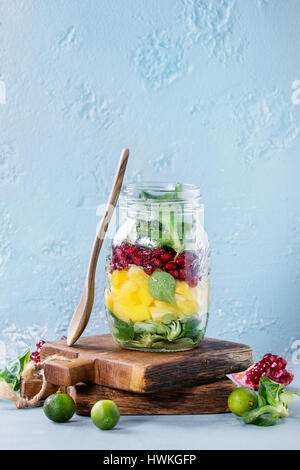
x=201, y=91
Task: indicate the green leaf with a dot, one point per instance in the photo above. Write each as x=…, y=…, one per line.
x=191, y=324
x=174, y=330
x=269, y=391
x=286, y=398
x=121, y=330
x=266, y=419
x=161, y=286
x=294, y=392
x=13, y=370
x=168, y=196
x=144, y=327
x=251, y=416
x=168, y=227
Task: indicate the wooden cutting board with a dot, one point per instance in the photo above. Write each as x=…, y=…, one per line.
x=98, y=360
x=201, y=399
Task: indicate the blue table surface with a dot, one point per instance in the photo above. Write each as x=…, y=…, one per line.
x=30, y=429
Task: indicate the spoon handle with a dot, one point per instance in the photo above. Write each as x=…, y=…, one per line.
x=114, y=194
x=82, y=313
x=111, y=203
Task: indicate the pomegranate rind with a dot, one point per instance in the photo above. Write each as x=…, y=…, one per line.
x=240, y=378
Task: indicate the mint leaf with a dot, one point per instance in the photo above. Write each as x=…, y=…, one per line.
x=161, y=286
x=12, y=372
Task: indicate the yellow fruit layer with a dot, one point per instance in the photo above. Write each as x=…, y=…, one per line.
x=130, y=300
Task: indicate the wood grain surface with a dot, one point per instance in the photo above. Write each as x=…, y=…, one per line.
x=98, y=360
x=31, y=387
x=203, y=399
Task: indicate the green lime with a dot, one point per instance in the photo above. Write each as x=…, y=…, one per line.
x=105, y=414
x=241, y=400
x=59, y=407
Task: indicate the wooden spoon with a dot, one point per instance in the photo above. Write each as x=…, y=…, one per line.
x=83, y=311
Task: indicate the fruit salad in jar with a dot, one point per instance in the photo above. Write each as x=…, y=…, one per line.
x=157, y=290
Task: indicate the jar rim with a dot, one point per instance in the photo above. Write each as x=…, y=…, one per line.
x=182, y=192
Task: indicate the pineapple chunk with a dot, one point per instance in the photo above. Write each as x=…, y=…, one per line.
x=158, y=315
x=179, y=298
x=194, y=293
x=144, y=296
x=181, y=288
x=140, y=313
x=204, y=297
x=109, y=300
x=128, y=298
x=164, y=307
x=114, y=292
x=118, y=277
x=138, y=275
x=121, y=311
x=188, y=307
x=129, y=286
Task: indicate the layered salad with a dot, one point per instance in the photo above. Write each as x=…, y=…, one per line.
x=157, y=292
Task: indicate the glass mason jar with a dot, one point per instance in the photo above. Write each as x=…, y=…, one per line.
x=157, y=273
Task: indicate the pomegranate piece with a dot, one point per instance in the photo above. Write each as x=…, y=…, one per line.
x=192, y=282
x=35, y=356
x=137, y=259
x=174, y=273
x=180, y=261
x=158, y=252
x=170, y=266
x=157, y=263
x=40, y=344
x=146, y=254
x=271, y=366
x=166, y=257
x=181, y=273
x=149, y=269
x=184, y=266
x=130, y=250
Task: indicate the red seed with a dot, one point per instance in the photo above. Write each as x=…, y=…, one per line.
x=166, y=257
x=118, y=252
x=157, y=263
x=174, y=273
x=170, y=266
x=40, y=344
x=192, y=282
x=148, y=269
x=146, y=254
x=180, y=261
x=130, y=250
x=35, y=356
x=137, y=259
x=158, y=252
x=182, y=273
